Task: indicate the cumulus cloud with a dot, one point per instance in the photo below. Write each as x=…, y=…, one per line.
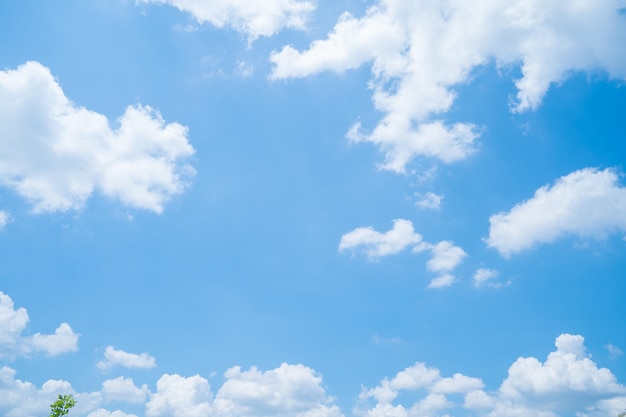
x=445, y=255
x=567, y=383
x=115, y=357
x=56, y=154
x=287, y=391
x=376, y=244
x=420, y=51
x=14, y=343
x=252, y=18
x=588, y=203
x=417, y=379
x=124, y=390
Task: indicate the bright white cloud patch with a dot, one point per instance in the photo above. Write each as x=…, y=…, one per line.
x=14, y=343
x=56, y=154
x=101, y=412
x=287, y=391
x=588, y=203
x=421, y=50
x=253, y=18
x=115, y=357
x=124, y=390
x=445, y=256
x=567, y=383
x=376, y=244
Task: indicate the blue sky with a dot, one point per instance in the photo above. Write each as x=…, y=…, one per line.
x=293, y=208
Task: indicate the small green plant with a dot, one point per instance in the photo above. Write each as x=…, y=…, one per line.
x=62, y=406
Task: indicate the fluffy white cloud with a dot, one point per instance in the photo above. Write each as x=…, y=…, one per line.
x=113, y=357
x=253, y=18
x=56, y=154
x=13, y=343
x=586, y=203
x=567, y=383
x=420, y=379
x=124, y=390
x=421, y=50
x=429, y=200
x=445, y=256
x=178, y=396
x=442, y=281
x=4, y=218
x=376, y=244
x=287, y=391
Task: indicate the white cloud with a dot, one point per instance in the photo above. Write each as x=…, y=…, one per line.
x=124, y=390
x=287, y=391
x=586, y=203
x=113, y=357
x=429, y=200
x=253, y=18
x=13, y=343
x=101, y=412
x=567, y=380
x=421, y=379
x=486, y=276
x=614, y=351
x=567, y=383
x=442, y=281
x=56, y=154
x=445, y=257
x=178, y=396
x=63, y=340
x=376, y=244
x=4, y=218
x=421, y=51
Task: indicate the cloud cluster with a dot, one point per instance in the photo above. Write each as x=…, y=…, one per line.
x=445, y=255
x=567, y=382
x=588, y=203
x=287, y=391
x=421, y=50
x=56, y=154
x=14, y=343
x=252, y=18
x=115, y=357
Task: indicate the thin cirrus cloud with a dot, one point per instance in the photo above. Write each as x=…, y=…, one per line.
x=56, y=154
x=420, y=51
x=116, y=357
x=252, y=18
x=445, y=255
x=588, y=203
x=4, y=218
x=13, y=342
x=566, y=381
